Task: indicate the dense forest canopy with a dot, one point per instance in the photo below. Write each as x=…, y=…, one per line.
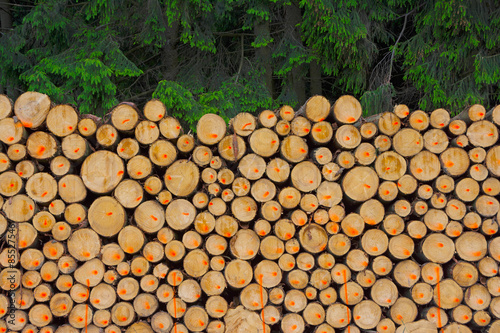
x=230, y=56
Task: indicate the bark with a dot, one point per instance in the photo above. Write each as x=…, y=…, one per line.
x=263, y=55
x=315, y=77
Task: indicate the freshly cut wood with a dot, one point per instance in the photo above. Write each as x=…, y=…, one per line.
x=322, y=132
x=243, y=124
x=62, y=120
x=439, y=118
x=125, y=117
x=360, y=184
x=346, y=160
x=425, y=166
x=457, y=127
x=102, y=171
x=154, y=110
x=438, y=248
x=389, y=123
x=182, y=178
x=12, y=132
x=482, y=134
x=6, y=106
x=294, y=149
x=316, y=108
x=286, y=112
x=390, y=166
x=283, y=127
x=347, y=137
x=31, y=108
x=170, y=128
x=347, y=110
x=210, y=129
x=267, y=118
x=106, y=216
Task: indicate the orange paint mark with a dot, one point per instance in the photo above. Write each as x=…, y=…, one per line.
x=213, y=136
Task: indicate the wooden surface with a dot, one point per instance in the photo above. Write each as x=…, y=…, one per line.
x=306, y=220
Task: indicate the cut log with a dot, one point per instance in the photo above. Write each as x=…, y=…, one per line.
x=31, y=108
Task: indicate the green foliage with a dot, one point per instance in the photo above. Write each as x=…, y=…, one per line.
x=453, y=56
x=230, y=99
x=230, y=56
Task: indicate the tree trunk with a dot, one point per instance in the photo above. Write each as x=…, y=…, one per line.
x=315, y=77
x=170, y=57
x=296, y=77
x=263, y=54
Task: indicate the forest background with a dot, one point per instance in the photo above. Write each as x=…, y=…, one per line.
x=231, y=56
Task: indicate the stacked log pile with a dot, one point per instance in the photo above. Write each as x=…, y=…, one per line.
x=309, y=220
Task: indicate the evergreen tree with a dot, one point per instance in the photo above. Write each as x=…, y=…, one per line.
x=230, y=56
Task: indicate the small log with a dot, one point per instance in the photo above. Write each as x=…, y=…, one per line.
x=106, y=216
x=71, y=189
x=294, y=149
x=146, y=132
x=421, y=293
x=12, y=132
x=283, y=127
x=482, y=134
x=346, y=160
x=316, y=108
x=387, y=191
x=122, y=314
x=477, y=297
x=439, y=118
x=185, y=143
x=403, y=310
x=286, y=112
x=6, y=106
x=127, y=148
x=360, y=184
x=457, y=127
x=347, y=137
x=171, y=128
x=87, y=127
x=73, y=214
x=238, y=273
x=267, y=118
x=16, y=152
x=107, y=136
x=374, y=242
x=321, y=133
x=213, y=284
x=478, y=172
x=125, y=117
x=210, y=129
x=31, y=108
x=154, y=110
x=368, y=130
x=382, y=265
x=389, y=123
x=26, y=169
x=127, y=289
x=419, y=120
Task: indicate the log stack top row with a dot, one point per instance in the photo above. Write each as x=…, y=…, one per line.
x=308, y=220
